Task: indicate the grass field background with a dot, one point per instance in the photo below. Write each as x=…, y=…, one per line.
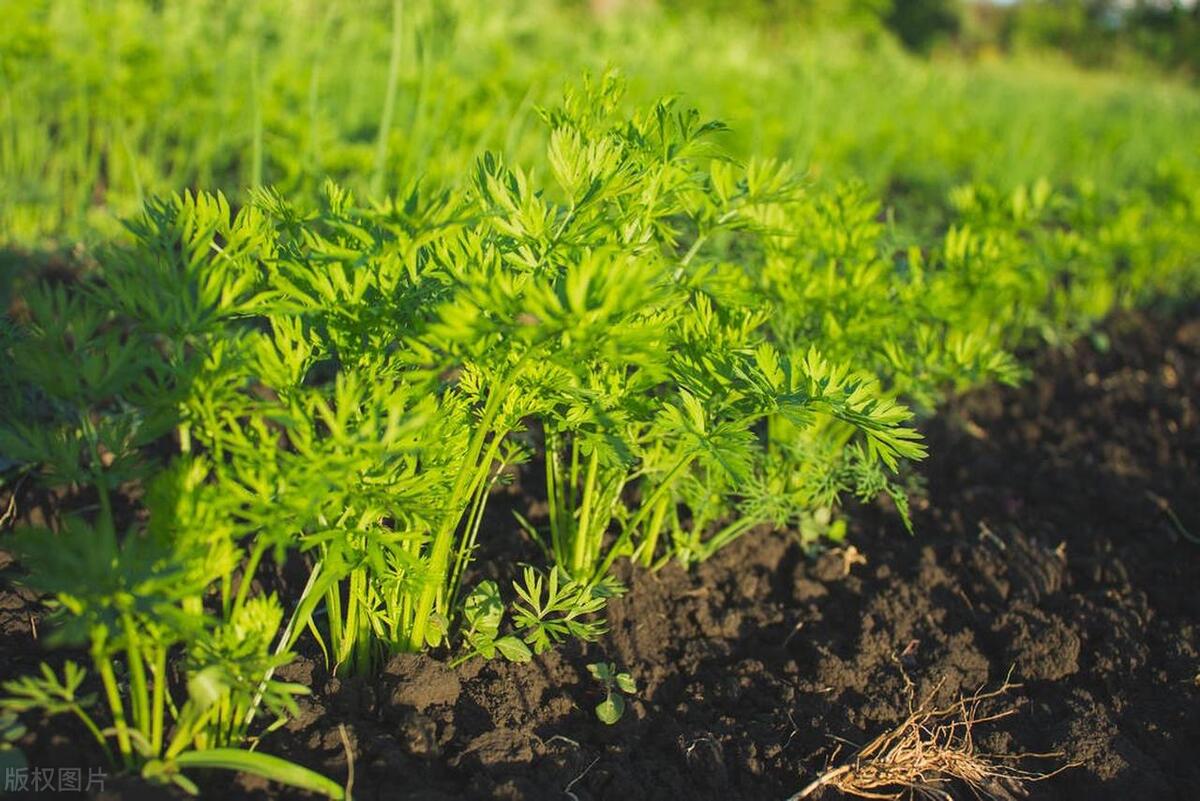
x=105, y=103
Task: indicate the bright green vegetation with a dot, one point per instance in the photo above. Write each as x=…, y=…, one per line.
x=103, y=105
x=413, y=268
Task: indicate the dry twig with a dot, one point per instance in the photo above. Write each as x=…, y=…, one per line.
x=930, y=750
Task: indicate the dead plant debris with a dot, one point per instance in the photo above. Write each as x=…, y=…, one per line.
x=933, y=750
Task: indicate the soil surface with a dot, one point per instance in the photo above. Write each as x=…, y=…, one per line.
x=1054, y=542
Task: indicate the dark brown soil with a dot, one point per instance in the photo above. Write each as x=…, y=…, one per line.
x=1044, y=547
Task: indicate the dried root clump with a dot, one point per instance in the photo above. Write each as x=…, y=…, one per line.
x=931, y=751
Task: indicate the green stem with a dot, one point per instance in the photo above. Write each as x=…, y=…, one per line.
x=723, y=537
x=212, y=733
x=702, y=238
x=333, y=612
x=461, y=659
x=474, y=521
x=106, y=522
x=189, y=723
x=364, y=638
x=115, y=705
x=159, y=702
x=226, y=590
x=552, y=490
x=467, y=476
x=693, y=250
x=256, y=555
x=661, y=490
x=583, y=532
x=91, y=726
x=138, y=689
x=652, y=530
x=573, y=483
x=343, y=656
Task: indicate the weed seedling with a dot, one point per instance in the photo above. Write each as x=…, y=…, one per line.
x=616, y=686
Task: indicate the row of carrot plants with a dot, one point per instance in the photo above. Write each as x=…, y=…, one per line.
x=676, y=348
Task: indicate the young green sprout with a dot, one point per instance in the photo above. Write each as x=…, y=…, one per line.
x=616, y=686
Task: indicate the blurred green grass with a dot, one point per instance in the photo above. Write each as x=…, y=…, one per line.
x=104, y=102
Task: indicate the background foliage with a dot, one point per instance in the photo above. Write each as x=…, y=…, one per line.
x=103, y=104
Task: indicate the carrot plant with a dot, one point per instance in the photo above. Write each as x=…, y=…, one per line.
x=676, y=394
x=128, y=579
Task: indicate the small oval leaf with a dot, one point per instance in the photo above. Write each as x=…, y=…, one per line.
x=610, y=709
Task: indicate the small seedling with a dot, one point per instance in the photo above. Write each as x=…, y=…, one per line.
x=616, y=687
